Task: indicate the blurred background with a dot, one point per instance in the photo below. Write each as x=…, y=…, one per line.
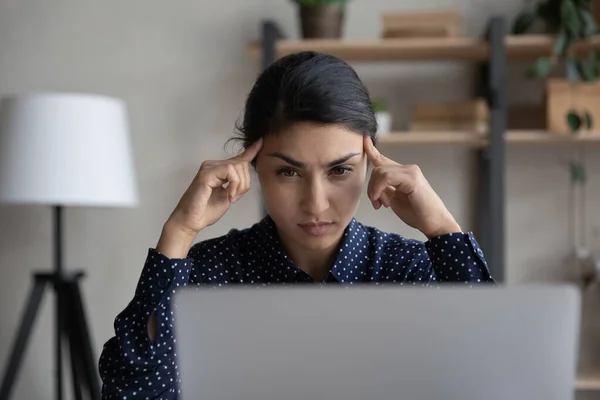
x=184, y=68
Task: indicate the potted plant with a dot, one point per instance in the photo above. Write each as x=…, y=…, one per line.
x=574, y=102
x=321, y=19
x=383, y=116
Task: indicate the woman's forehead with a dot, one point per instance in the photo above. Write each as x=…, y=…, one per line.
x=310, y=138
x=309, y=145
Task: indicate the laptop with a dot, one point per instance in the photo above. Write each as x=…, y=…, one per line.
x=378, y=342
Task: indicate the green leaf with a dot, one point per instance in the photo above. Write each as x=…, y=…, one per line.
x=540, y=68
x=563, y=40
x=572, y=70
x=578, y=173
x=587, y=4
x=589, y=26
x=380, y=106
x=587, y=70
x=523, y=22
x=588, y=121
x=574, y=121
x=570, y=19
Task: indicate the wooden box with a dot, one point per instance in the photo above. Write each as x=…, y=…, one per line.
x=468, y=115
x=563, y=96
x=421, y=24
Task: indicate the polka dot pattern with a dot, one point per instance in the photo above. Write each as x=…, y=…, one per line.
x=134, y=367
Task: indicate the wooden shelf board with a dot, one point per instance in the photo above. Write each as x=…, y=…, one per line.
x=529, y=47
x=523, y=47
x=473, y=139
x=434, y=138
x=588, y=381
x=543, y=137
x=386, y=49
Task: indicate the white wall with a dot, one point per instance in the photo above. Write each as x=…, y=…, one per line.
x=181, y=67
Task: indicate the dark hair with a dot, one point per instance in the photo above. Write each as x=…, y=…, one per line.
x=307, y=87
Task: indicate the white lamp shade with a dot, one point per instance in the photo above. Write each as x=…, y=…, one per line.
x=66, y=149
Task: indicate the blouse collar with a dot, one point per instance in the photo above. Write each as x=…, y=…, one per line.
x=351, y=263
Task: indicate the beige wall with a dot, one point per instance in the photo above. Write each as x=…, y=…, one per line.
x=181, y=67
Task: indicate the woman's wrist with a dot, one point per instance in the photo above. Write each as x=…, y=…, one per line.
x=175, y=241
x=444, y=230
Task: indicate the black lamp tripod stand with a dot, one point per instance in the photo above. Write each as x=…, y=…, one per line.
x=70, y=326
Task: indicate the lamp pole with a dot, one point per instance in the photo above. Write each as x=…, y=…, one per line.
x=58, y=272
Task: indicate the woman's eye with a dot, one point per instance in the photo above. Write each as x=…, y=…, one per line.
x=341, y=170
x=287, y=172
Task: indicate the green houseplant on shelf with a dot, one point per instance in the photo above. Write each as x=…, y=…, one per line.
x=571, y=21
x=573, y=104
x=383, y=116
x=321, y=19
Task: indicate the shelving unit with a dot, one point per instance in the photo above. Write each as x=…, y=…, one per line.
x=491, y=53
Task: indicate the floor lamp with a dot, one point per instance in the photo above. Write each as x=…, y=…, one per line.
x=63, y=149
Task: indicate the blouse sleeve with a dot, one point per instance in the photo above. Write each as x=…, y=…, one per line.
x=457, y=257
x=131, y=365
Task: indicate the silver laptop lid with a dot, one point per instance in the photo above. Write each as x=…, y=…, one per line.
x=378, y=343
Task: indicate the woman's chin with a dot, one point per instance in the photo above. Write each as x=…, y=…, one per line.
x=320, y=241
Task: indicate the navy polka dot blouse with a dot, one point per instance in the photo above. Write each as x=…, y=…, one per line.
x=134, y=367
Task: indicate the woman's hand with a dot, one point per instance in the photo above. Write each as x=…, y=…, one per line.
x=216, y=186
x=404, y=189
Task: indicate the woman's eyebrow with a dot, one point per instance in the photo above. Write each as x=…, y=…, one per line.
x=342, y=160
x=302, y=165
x=288, y=160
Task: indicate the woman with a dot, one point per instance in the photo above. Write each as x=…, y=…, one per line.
x=308, y=130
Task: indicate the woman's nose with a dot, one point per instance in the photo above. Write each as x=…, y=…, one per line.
x=315, y=199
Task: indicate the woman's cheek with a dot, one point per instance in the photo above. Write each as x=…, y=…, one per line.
x=279, y=196
x=344, y=196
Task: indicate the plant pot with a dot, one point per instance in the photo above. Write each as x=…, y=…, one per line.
x=322, y=21
x=563, y=96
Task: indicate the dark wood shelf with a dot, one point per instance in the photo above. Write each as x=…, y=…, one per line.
x=522, y=47
x=474, y=139
x=588, y=381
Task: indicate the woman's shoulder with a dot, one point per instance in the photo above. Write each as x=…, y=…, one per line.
x=236, y=257
x=236, y=240
x=378, y=237
x=390, y=257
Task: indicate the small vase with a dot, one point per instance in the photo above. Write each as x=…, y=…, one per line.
x=384, y=122
x=322, y=21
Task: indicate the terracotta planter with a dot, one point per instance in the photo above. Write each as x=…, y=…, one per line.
x=563, y=96
x=322, y=21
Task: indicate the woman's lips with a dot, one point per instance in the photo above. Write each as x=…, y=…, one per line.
x=317, y=228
